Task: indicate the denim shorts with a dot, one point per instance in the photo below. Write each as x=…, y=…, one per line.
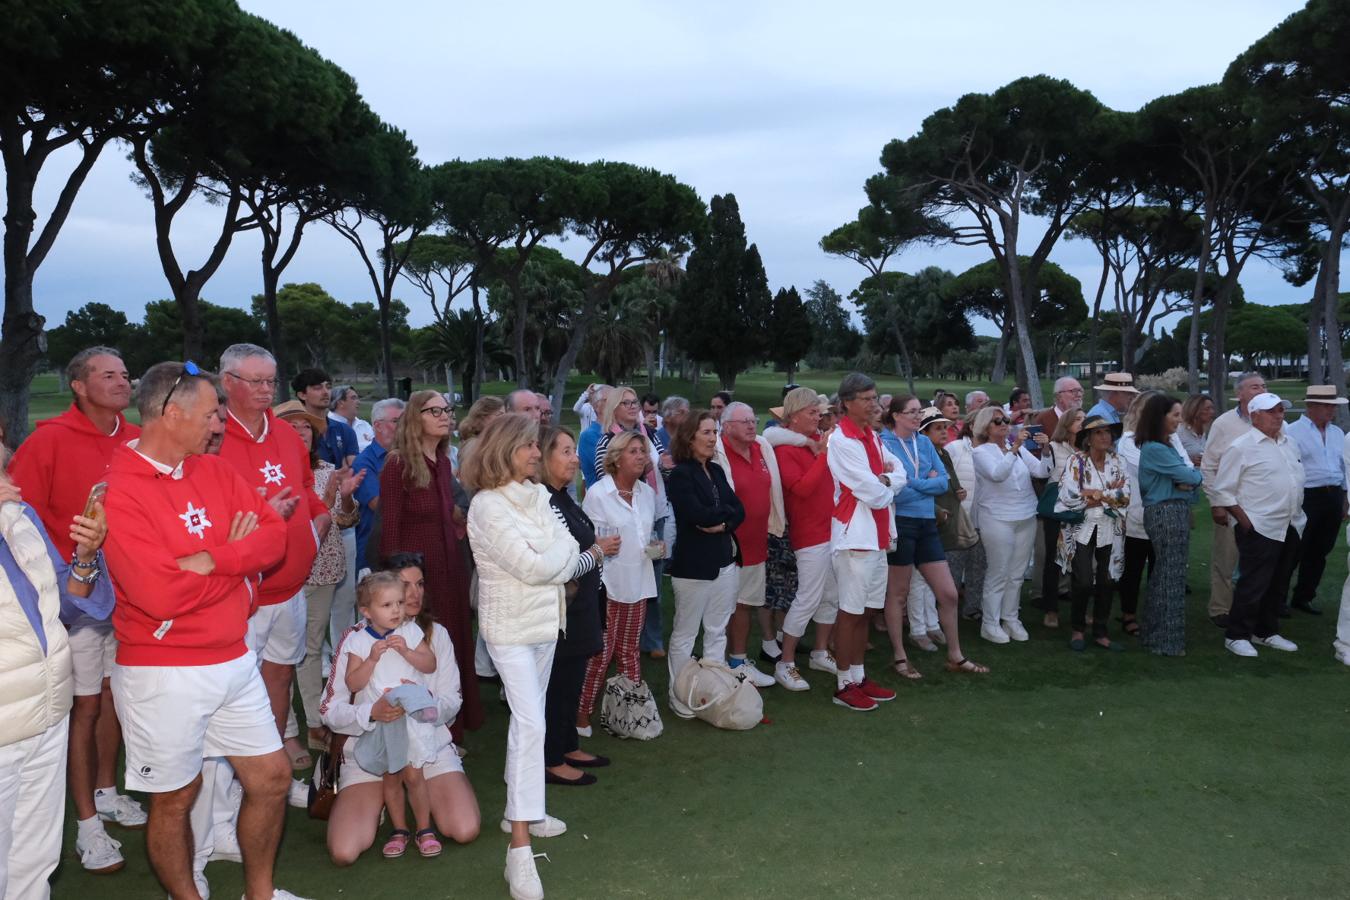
x=917, y=542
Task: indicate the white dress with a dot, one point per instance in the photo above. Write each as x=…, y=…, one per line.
x=390, y=672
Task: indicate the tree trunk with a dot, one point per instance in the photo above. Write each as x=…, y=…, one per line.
x=1197, y=303
x=906, y=363
x=1000, y=370
x=1317, y=371
x=274, y=337
x=518, y=334
x=649, y=360
x=1331, y=311
x=21, y=345
x=479, y=332
x=575, y=341
x=1129, y=345
x=1218, y=357
x=386, y=341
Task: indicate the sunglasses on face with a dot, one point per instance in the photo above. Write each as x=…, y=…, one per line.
x=998, y=421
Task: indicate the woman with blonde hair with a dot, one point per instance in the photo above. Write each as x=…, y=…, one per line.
x=622, y=504
x=525, y=555
x=417, y=499
x=1005, y=513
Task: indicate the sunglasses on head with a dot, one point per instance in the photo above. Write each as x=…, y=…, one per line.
x=189, y=368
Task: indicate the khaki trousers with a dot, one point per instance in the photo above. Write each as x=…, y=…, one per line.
x=1222, y=563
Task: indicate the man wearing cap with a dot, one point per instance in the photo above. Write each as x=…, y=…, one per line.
x=1223, y=556
x=1260, y=484
x=1320, y=445
x=1117, y=390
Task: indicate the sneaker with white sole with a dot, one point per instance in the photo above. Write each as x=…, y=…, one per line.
x=922, y=641
x=119, y=809
x=1014, y=629
x=298, y=796
x=279, y=894
x=545, y=827
x=823, y=663
x=752, y=674
x=100, y=854
x=521, y=874
x=203, y=888
x=1275, y=642
x=225, y=846
x=790, y=677
x=994, y=633
x=938, y=638
x=1240, y=647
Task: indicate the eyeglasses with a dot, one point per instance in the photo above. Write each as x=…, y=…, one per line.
x=628, y=402
x=998, y=421
x=268, y=383
x=437, y=411
x=189, y=368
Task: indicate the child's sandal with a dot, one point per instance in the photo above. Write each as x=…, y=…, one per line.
x=427, y=844
x=397, y=844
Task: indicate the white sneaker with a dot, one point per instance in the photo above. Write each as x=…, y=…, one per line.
x=546, y=827
x=678, y=708
x=585, y=732
x=225, y=846
x=790, y=677
x=521, y=874
x=203, y=888
x=994, y=633
x=754, y=675
x=101, y=854
x=299, y=794
x=1014, y=629
x=922, y=641
x=1240, y=647
x=279, y=894
x=1342, y=656
x=1275, y=642
x=823, y=663
x=119, y=809
x=938, y=638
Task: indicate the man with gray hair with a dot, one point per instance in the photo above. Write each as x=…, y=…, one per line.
x=751, y=469
x=346, y=407
x=384, y=418
x=1223, y=559
x=673, y=412
x=545, y=407
x=523, y=400
x=589, y=439
x=976, y=401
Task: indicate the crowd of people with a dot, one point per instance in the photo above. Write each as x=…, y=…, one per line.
x=174, y=589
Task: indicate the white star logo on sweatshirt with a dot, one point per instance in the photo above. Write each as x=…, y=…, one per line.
x=271, y=472
x=196, y=521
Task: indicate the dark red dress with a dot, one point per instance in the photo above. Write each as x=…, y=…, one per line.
x=419, y=520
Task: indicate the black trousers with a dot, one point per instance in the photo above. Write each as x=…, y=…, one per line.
x=1050, y=567
x=1323, y=508
x=1264, y=569
x=1091, y=578
x=560, y=708
x=1138, y=553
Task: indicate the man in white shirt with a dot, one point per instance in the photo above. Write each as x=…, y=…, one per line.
x=866, y=479
x=1260, y=484
x=585, y=407
x=1320, y=445
x=1223, y=557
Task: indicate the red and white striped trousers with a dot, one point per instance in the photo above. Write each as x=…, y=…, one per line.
x=623, y=628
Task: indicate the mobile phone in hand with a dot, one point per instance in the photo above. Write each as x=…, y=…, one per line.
x=96, y=494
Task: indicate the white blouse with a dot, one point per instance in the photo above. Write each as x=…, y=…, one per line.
x=1005, y=493
x=628, y=576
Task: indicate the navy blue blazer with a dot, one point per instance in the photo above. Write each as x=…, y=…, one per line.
x=702, y=497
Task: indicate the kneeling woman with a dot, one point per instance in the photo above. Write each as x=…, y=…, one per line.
x=355, y=816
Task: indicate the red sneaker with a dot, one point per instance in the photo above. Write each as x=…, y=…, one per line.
x=852, y=697
x=875, y=691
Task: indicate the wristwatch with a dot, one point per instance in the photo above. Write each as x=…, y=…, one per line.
x=95, y=569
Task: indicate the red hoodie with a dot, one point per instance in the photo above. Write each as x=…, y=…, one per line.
x=59, y=462
x=164, y=615
x=279, y=460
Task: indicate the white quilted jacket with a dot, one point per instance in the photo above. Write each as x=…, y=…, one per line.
x=524, y=556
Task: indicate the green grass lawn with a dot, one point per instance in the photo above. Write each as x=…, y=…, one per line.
x=1058, y=775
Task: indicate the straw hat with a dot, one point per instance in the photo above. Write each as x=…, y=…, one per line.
x=1118, y=381
x=932, y=416
x=1323, y=393
x=293, y=408
x=1091, y=424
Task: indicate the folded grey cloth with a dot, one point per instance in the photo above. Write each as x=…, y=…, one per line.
x=390, y=746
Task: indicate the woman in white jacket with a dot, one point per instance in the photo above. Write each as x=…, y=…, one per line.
x=1005, y=513
x=968, y=566
x=524, y=557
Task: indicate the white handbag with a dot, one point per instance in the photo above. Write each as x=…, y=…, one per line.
x=629, y=709
x=719, y=696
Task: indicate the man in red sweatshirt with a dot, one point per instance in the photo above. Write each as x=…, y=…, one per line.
x=271, y=458
x=55, y=468
x=191, y=539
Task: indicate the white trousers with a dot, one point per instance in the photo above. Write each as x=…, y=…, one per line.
x=817, y=597
x=1342, y=642
x=1008, y=548
x=921, y=605
x=524, y=670
x=32, y=809
x=701, y=603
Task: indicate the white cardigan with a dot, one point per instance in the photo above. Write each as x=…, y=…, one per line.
x=777, y=520
x=524, y=556
x=35, y=688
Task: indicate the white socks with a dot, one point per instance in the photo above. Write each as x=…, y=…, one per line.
x=855, y=674
x=89, y=827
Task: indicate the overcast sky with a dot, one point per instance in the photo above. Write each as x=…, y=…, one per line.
x=783, y=104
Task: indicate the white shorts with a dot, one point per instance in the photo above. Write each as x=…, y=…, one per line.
x=276, y=633
x=750, y=591
x=92, y=651
x=173, y=716
x=861, y=579
x=447, y=760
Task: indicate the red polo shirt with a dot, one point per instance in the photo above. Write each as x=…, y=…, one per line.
x=752, y=485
